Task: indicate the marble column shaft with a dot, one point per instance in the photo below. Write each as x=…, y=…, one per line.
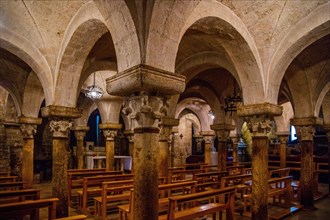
x=235, y=148
x=80, y=132
x=28, y=129
x=110, y=131
x=259, y=122
x=60, y=124
x=208, y=138
x=305, y=129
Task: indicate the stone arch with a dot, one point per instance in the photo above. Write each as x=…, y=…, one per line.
x=13, y=93
x=175, y=23
x=309, y=29
x=320, y=99
x=283, y=122
x=33, y=96
x=26, y=51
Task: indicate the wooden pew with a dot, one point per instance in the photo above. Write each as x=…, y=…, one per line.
x=4, y=173
x=75, y=178
x=278, y=172
x=210, y=168
x=189, y=166
x=278, y=187
x=9, y=196
x=180, y=175
x=209, y=176
x=164, y=191
x=74, y=217
x=95, y=181
x=234, y=170
x=5, y=179
x=12, y=186
x=296, y=189
x=30, y=207
x=196, y=210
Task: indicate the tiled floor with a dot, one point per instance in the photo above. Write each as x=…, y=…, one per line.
x=322, y=212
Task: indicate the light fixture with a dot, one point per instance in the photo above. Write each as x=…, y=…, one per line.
x=94, y=92
x=233, y=101
x=211, y=115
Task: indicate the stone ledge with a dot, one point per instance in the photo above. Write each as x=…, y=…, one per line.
x=145, y=78
x=169, y=121
x=61, y=111
x=80, y=128
x=111, y=126
x=259, y=109
x=227, y=127
x=306, y=121
x=207, y=133
x=29, y=120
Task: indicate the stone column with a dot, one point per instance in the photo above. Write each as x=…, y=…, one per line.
x=222, y=131
x=28, y=129
x=80, y=132
x=199, y=139
x=110, y=131
x=60, y=124
x=130, y=136
x=148, y=89
x=305, y=129
x=235, y=139
x=4, y=150
x=174, y=132
x=165, y=125
x=260, y=116
x=208, y=138
x=283, y=138
x=327, y=129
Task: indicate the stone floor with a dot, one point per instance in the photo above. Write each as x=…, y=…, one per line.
x=322, y=212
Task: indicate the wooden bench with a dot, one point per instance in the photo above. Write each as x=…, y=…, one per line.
x=209, y=168
x=179, y=175
x=12, y=185
x=10, y=196
x=209, y=176
x=5, y=179
x=75, y=178
x=196, y=209
x=30, y=207
x=75, y=217
x=296, y=189
x=278, y=187
x=234, y=170
x=95, y=181
x=278, y=172
x=4, y=173
x=189, y=166
x=164, y=191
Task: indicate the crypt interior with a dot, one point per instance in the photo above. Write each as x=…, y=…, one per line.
x=147, y=86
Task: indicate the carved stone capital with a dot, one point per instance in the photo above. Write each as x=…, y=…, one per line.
x=259, y=109
x=259, y=125
x=208, y=139
x=29, y=126
x=28, y=130
x=234, y=138
x=222, y=131
x=305, y=127
x=283, y=136
x=222, y=135
x=198, y=138
x=110, y=130
x=145, y=111
x=80, y=132
x=130, y=135
x=60, y=127
x=165, y=133
x=145, y=78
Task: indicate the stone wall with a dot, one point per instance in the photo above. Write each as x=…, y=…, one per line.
x=4, y=151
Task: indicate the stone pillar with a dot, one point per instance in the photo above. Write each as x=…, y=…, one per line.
x=283, y=138
x=28, y=129
x=208, y=138
x=327, y=129
x=80, y=132
x=235, y=140
x=130, y=136
x=199, y=139
x=305, y=129
x=4, y=151
x=60, y=124
x=148, y=89
x=165, y=125
x=222, y=131
x=110, y=131
x=260, y=116
x=174, y=132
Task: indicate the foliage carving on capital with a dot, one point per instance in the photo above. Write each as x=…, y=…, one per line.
x=305, y=132
x=145, y=110
x=222, y=135
x=208, y=139
x=260, y=125
x=283, y=138
x=28, y=130
x=80, y=135
x=60, y=127
x=109, y=134
x=165, y=133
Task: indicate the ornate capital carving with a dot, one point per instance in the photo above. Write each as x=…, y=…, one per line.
x=222, y=135
x=145, y=111
x=234, y=139
x=198, y=138
x=165, y=133
x=305, y=133
x=283, y=137
x=80, y=132
x=60, y=127
x=208, y=139
x=28, y=130
x=130, y=135
x=109, y=134
x=259, y=125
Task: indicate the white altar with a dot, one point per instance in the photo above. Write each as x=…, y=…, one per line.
x=124, y=162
